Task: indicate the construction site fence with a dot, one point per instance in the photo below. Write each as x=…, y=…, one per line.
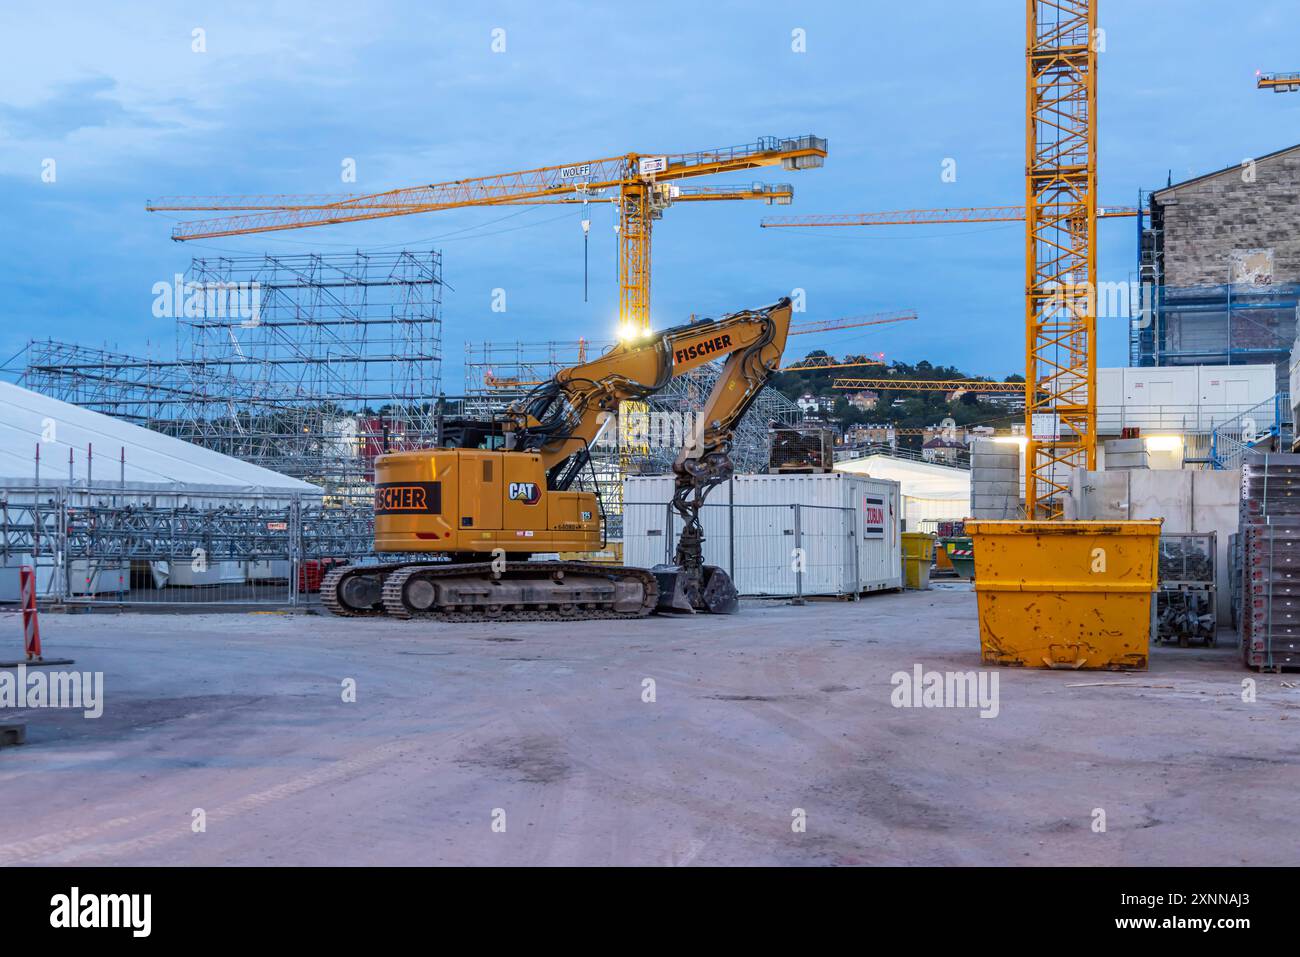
x=768, y=550
x=121, y=546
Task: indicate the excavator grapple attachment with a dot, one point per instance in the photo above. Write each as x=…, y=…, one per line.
x=720, y=597
x=679, y=594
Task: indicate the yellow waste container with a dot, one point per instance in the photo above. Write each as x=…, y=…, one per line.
x=918, y=554
x=1065, y=594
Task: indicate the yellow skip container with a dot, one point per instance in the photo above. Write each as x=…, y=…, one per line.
x=918, y=556
x=1065, y=594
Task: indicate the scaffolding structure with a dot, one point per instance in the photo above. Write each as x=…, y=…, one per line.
x=1217, y=325
x=307, y=364
x=497, y=373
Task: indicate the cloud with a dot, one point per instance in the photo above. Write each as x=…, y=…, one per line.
x=84, y=104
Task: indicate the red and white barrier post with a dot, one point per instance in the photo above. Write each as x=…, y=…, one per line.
x=31, y=624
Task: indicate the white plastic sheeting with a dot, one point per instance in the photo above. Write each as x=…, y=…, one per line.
x=930, y=492
x=29, y=420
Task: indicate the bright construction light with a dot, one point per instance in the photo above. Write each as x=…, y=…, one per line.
x=1019, y=440
x=630, y=332
x=1163, y=443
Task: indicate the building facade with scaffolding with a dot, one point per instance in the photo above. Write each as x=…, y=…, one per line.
x=1219, y=268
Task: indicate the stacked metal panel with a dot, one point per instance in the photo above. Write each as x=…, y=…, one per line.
x=1270, y=545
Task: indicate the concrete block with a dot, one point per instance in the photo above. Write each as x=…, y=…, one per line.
x=1127, y=460
x=998, y=456
x=995, y=501
x=1009, y=486
x=981, y=476
x=12, y=734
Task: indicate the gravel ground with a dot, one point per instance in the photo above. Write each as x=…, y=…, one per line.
x=532, y=744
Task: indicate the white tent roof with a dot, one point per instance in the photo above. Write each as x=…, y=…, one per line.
x=29, y=419
x=917, y=479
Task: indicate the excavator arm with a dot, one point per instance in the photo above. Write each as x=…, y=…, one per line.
x=562, y=418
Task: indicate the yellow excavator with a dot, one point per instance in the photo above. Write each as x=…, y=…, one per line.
x=496, y=492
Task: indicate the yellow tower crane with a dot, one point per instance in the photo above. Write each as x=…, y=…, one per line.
x=1060, y=249
x=1278, y=82
x=1060, y=215
x=929, y=385
x=922, y=217
x=644, y=184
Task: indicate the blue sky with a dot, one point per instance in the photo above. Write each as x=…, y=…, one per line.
x=285, y=91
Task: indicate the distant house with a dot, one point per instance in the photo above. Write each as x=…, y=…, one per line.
x=814, y=406
x=942, y=450
x=871, y=435
x=863, y=401
x=1005, y=400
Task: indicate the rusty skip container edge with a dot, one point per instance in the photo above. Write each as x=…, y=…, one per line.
x=1065, y=594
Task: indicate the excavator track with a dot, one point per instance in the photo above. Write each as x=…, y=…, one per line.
x=525, y=591
x=338, y=582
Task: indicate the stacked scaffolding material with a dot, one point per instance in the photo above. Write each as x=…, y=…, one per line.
x=750, y=450
x=1186, y=602
x=307, y=364
x=115, y=543
x=801, y=450
x=1270, y=542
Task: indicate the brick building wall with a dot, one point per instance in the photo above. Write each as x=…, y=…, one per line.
x=1222, y=228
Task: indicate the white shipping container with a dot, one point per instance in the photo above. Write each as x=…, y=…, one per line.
x=846, y=525
x=1179, y=398
x=1236, y=388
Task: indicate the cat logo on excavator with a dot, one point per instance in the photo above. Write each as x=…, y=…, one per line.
x=530, y=493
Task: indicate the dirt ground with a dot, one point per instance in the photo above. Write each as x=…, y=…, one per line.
x=534, y=744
